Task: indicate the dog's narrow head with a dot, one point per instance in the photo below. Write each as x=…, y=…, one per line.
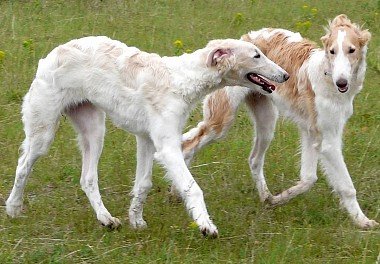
x=345, y=45
x=242, y=63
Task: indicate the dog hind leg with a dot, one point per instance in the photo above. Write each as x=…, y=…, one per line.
x=219, y=112
x=89, y=122
x=143, y=181
x=40, y=118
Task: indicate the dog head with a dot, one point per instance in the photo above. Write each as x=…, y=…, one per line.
x=345, y=46
x=241, y=63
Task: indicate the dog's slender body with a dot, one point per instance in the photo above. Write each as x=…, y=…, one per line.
x=143, y=93
x=318, y=97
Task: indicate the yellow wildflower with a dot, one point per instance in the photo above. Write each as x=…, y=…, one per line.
x=193, y=225
x=178, y=44
x=238, y=16
x=238, y=19
x=307, y=24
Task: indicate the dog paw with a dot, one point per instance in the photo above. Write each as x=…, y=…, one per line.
x=137, y=223
x=279, y=199
x=264, y=194
x=208, y=229
x=13, y=209
x=108, y=221
x=273, y=201
x=265, y=197
x=136, y=220
x=367, y=223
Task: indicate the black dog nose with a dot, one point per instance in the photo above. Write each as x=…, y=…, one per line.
x=341, y=83
x=286, y=76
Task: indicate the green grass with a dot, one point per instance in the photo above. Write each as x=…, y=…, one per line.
x=59, y=226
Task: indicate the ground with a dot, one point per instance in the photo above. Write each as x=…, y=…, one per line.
x=58, y=224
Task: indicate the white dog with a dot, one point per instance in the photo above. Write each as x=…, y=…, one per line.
x=318, y=98
x=143, y=93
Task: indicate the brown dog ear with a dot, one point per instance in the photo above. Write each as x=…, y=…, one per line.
x=324, y=39
x=364, y=37
x=216, y=55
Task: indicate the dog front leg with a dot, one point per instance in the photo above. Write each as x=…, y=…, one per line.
x=308, y=175
x=264, y=117
x=339, y=178
x=169, y=154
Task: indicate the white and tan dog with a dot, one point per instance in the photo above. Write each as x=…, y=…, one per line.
x=146, y=94
x=318, y=98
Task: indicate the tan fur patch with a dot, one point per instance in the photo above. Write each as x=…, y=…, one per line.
x=220, y=115
x=290, y=56
x=193, y=142
x=355, y=31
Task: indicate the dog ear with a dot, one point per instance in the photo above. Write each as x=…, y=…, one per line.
x=365, y=36
x=216, y=55
x=324, y=39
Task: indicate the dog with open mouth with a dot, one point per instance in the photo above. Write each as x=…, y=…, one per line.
x=143, y=93
x=260, y=81
x=318, y=97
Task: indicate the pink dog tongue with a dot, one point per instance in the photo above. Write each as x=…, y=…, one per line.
x=264, y=82
x=257, y=79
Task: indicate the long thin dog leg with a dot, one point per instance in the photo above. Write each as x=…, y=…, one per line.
x=89, y=123
x=143, y=181
x=308, y=176
x=39, y=126
x=169, y=154
x=219, y=112
x=33, y=147
x=264, y=116
x=340, y=180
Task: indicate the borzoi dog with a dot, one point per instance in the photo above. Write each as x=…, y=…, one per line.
x=148, y=95
x=318, y=98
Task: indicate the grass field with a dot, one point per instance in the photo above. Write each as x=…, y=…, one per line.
x=59, y=226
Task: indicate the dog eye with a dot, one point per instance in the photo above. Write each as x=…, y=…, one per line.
x=332, y=51
x=257, y=56
x=351, y=50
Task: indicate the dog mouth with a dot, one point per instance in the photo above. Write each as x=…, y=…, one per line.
x=342, y=85
x=261, y=81
x=343, y=89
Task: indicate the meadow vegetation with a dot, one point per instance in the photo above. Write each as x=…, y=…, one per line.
x=58, y=224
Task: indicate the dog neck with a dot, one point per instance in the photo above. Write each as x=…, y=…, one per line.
x=191, y=78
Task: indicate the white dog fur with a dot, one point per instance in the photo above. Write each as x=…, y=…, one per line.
x=318, y=97
x=145, y=94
